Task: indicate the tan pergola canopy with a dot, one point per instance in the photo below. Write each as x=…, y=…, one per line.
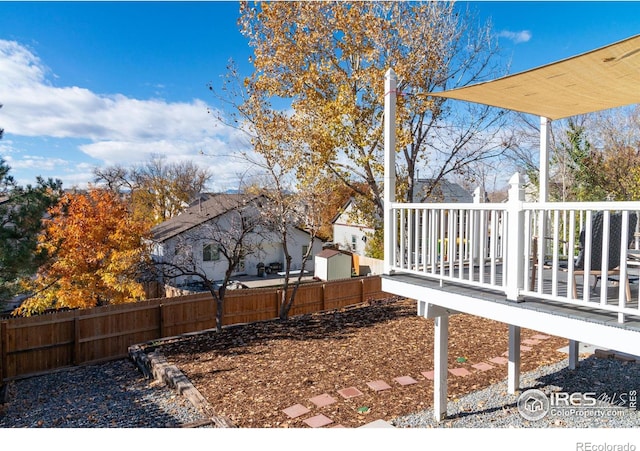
x=605, y=78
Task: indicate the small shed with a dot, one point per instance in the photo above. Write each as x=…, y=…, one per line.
x=332, y=264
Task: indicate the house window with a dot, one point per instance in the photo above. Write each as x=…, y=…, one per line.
x=210, y=253
x=354, y=242
x=305, y=249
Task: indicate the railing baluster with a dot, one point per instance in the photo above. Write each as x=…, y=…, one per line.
x=555, y=261
x=458, y=238
x=493, y=246
x=570, y=256
x=425, y=242
x=604, y=279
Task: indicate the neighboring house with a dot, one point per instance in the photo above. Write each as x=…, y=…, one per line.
x=350, y=233
x=444, y=191
x=212, y=213
x=332, y=264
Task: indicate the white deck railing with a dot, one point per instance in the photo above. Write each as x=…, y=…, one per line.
x=525, y=249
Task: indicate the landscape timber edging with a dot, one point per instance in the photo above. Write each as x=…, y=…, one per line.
x=154, y=365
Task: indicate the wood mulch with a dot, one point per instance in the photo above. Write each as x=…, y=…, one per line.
x=251, y=373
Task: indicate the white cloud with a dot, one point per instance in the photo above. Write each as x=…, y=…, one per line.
x=35, y=162
x=118, y=129
x=516, y=36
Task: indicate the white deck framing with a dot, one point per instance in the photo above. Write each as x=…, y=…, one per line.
x=510, y=262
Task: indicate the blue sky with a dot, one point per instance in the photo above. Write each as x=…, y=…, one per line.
x=88, y=84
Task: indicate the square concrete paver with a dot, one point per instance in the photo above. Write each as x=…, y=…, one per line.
x=525, y=348
x=499, y=360
x=461, y=372
x=318, y=421
x=482, y=366
x=429, y=374
x=296, y=410
x=378, y=385
x=541, y=337
x=405, y=380
x=350, y=392
x=322, y=400
x=531, y=341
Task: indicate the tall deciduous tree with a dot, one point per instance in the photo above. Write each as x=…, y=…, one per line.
x=329, y=58
x=594, y=157
x=296, y=185
x=158, y=190
x=21, y=212
x=96, y=250
x=614, y=164
x=233, y=236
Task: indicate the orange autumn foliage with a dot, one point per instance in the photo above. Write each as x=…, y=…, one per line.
x=95, y=248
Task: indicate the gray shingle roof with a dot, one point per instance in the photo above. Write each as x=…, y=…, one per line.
x=444, y=191
x=206, y=208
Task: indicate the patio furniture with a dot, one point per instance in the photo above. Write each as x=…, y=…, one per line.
x=613, y=261
x=595, y=253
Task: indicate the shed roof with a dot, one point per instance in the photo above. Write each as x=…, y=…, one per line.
x=604, y=78
x=329, y=253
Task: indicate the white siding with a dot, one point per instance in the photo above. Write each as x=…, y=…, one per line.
x=348, y=235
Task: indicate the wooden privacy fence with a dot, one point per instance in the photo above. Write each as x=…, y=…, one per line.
x=41, y=344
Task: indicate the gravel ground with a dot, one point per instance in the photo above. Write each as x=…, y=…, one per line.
x=493, y=407
x=116, y=395
x=110, y=395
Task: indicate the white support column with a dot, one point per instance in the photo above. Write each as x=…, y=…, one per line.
x=477, y=236
x=574, y=348
x=440, y=365
x=390, y=94
x=513, y=375
x=514, y=268
x=545, y=140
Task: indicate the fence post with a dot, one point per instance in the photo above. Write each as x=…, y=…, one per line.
x=514, y=264
x=324, y=297
x=76, y=340
x=161, y=321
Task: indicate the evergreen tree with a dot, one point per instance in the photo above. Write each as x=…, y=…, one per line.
x=21, y=212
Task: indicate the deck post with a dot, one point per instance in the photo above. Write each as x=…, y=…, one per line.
x=390, y=83
x=440, y=365
x=545, y=139
x=574, y=347
x=513, y=375
x=514, y=265
x=476, y=243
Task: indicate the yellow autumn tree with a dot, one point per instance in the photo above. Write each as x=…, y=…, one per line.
x=327, y=61
x=95, y=248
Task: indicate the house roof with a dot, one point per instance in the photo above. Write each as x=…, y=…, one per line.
x=444, y=191
x=604, y=78
x=205, y=208
x=328, y=253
